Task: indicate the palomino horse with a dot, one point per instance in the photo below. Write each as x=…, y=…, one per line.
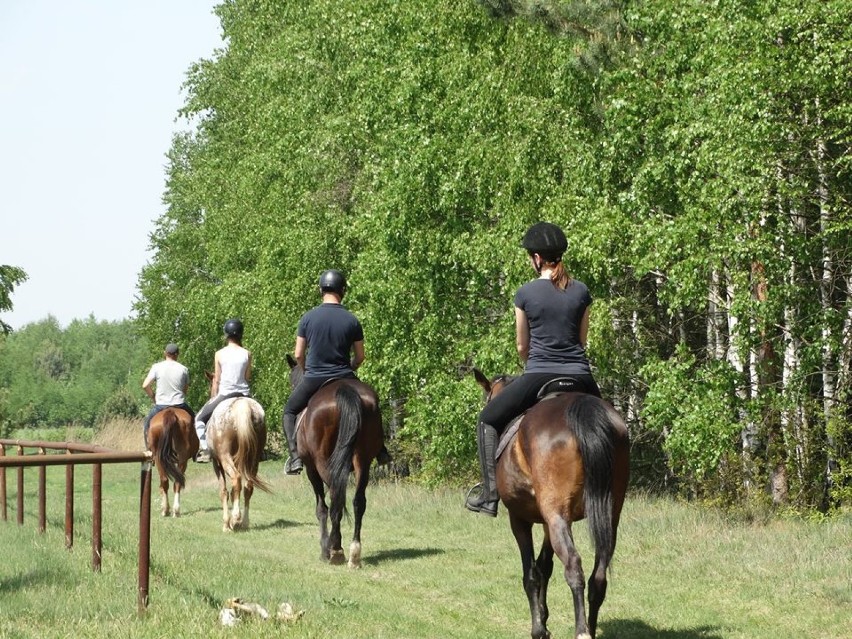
x=340, y=431
x=173, y=441
x=236, y=436
x=568, y=460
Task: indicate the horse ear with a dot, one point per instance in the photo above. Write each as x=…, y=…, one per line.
x=291, y=362
x=482, y=380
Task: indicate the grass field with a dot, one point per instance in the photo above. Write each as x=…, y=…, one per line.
x=431, y=569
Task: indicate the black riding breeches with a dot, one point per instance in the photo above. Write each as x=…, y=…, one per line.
x=522, y=393
x=305, y=389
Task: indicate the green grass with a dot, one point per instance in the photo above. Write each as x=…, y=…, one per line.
x=431, y=569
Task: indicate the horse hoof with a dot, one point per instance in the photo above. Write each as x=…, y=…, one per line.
x=337, y=558
x=355, y=555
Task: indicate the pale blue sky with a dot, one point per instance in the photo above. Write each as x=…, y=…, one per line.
x=89, y=94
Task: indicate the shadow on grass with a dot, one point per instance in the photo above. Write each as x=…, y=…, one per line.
x=636, y=629
x=27, y=579
x=400, y=554
x=279, y=524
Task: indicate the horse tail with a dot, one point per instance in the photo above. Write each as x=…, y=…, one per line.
x=594, y=429
x=349, y=409
x=166, y=453
x=249, y=452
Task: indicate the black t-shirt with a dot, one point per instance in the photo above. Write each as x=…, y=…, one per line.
x=330, y=331
x=554, y=318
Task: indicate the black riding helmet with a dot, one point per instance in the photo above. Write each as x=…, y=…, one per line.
x=332, y=281
x=546, y=239
x=233, y=328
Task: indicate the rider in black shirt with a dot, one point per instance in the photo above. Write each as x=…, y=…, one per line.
x=329, y=345
x=551, y=324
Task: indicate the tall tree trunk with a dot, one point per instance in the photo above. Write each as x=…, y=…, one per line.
x=826, y=294
x=716, y=319
x=741, y=364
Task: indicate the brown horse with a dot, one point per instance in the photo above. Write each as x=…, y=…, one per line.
x=236, y=436
x=568, y=460
x=173, y=441
x=339, y=432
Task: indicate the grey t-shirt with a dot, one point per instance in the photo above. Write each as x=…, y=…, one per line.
x=171, y=377
x=554, y=318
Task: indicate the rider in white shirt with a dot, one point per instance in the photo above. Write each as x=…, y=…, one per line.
x=231, y=377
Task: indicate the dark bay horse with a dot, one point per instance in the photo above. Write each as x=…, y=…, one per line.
x=339, y=432
x=236, y=436
x=568, y=460
x=173, y=441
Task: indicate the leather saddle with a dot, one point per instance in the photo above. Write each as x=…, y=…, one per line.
x=550, y=390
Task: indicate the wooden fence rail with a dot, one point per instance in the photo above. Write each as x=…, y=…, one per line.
x=79, y=454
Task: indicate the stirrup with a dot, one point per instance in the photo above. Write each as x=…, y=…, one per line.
x=293, y=466
x=484, y=506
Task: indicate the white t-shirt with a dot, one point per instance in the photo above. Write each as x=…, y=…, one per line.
x=233, y=362
x=171, y=377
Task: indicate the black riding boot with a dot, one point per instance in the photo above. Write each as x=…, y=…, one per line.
x=294, y=464
x=487, y=500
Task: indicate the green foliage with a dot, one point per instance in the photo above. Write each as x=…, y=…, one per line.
x=10, y=277
x=53, y=377
x=122, y=403
x=697, y=156
x=696, y=407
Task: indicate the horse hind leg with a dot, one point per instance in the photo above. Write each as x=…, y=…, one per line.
x=321, y=509
x=544, y=564
x=563, y=545
x=223, y=496
x=164, y=496
x=176, y=502
x=359, y=505
x=178, y=490
x=236, y=520
x=248, y=491
x=597, y=591
x=532, y=577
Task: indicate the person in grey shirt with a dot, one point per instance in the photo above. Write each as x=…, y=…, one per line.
x=172, y=381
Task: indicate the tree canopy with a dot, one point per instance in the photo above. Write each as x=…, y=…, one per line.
x=696, y=155
x=10, y=277
x=86, y=372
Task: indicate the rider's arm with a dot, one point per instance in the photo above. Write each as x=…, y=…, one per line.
x=248, y=368
x=584, y=327
x=522, y=334
x=217, y=375
x=299, y=351
x=146, y=385
x=357, y=355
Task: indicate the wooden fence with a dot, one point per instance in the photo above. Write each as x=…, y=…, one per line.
x=74, y=455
